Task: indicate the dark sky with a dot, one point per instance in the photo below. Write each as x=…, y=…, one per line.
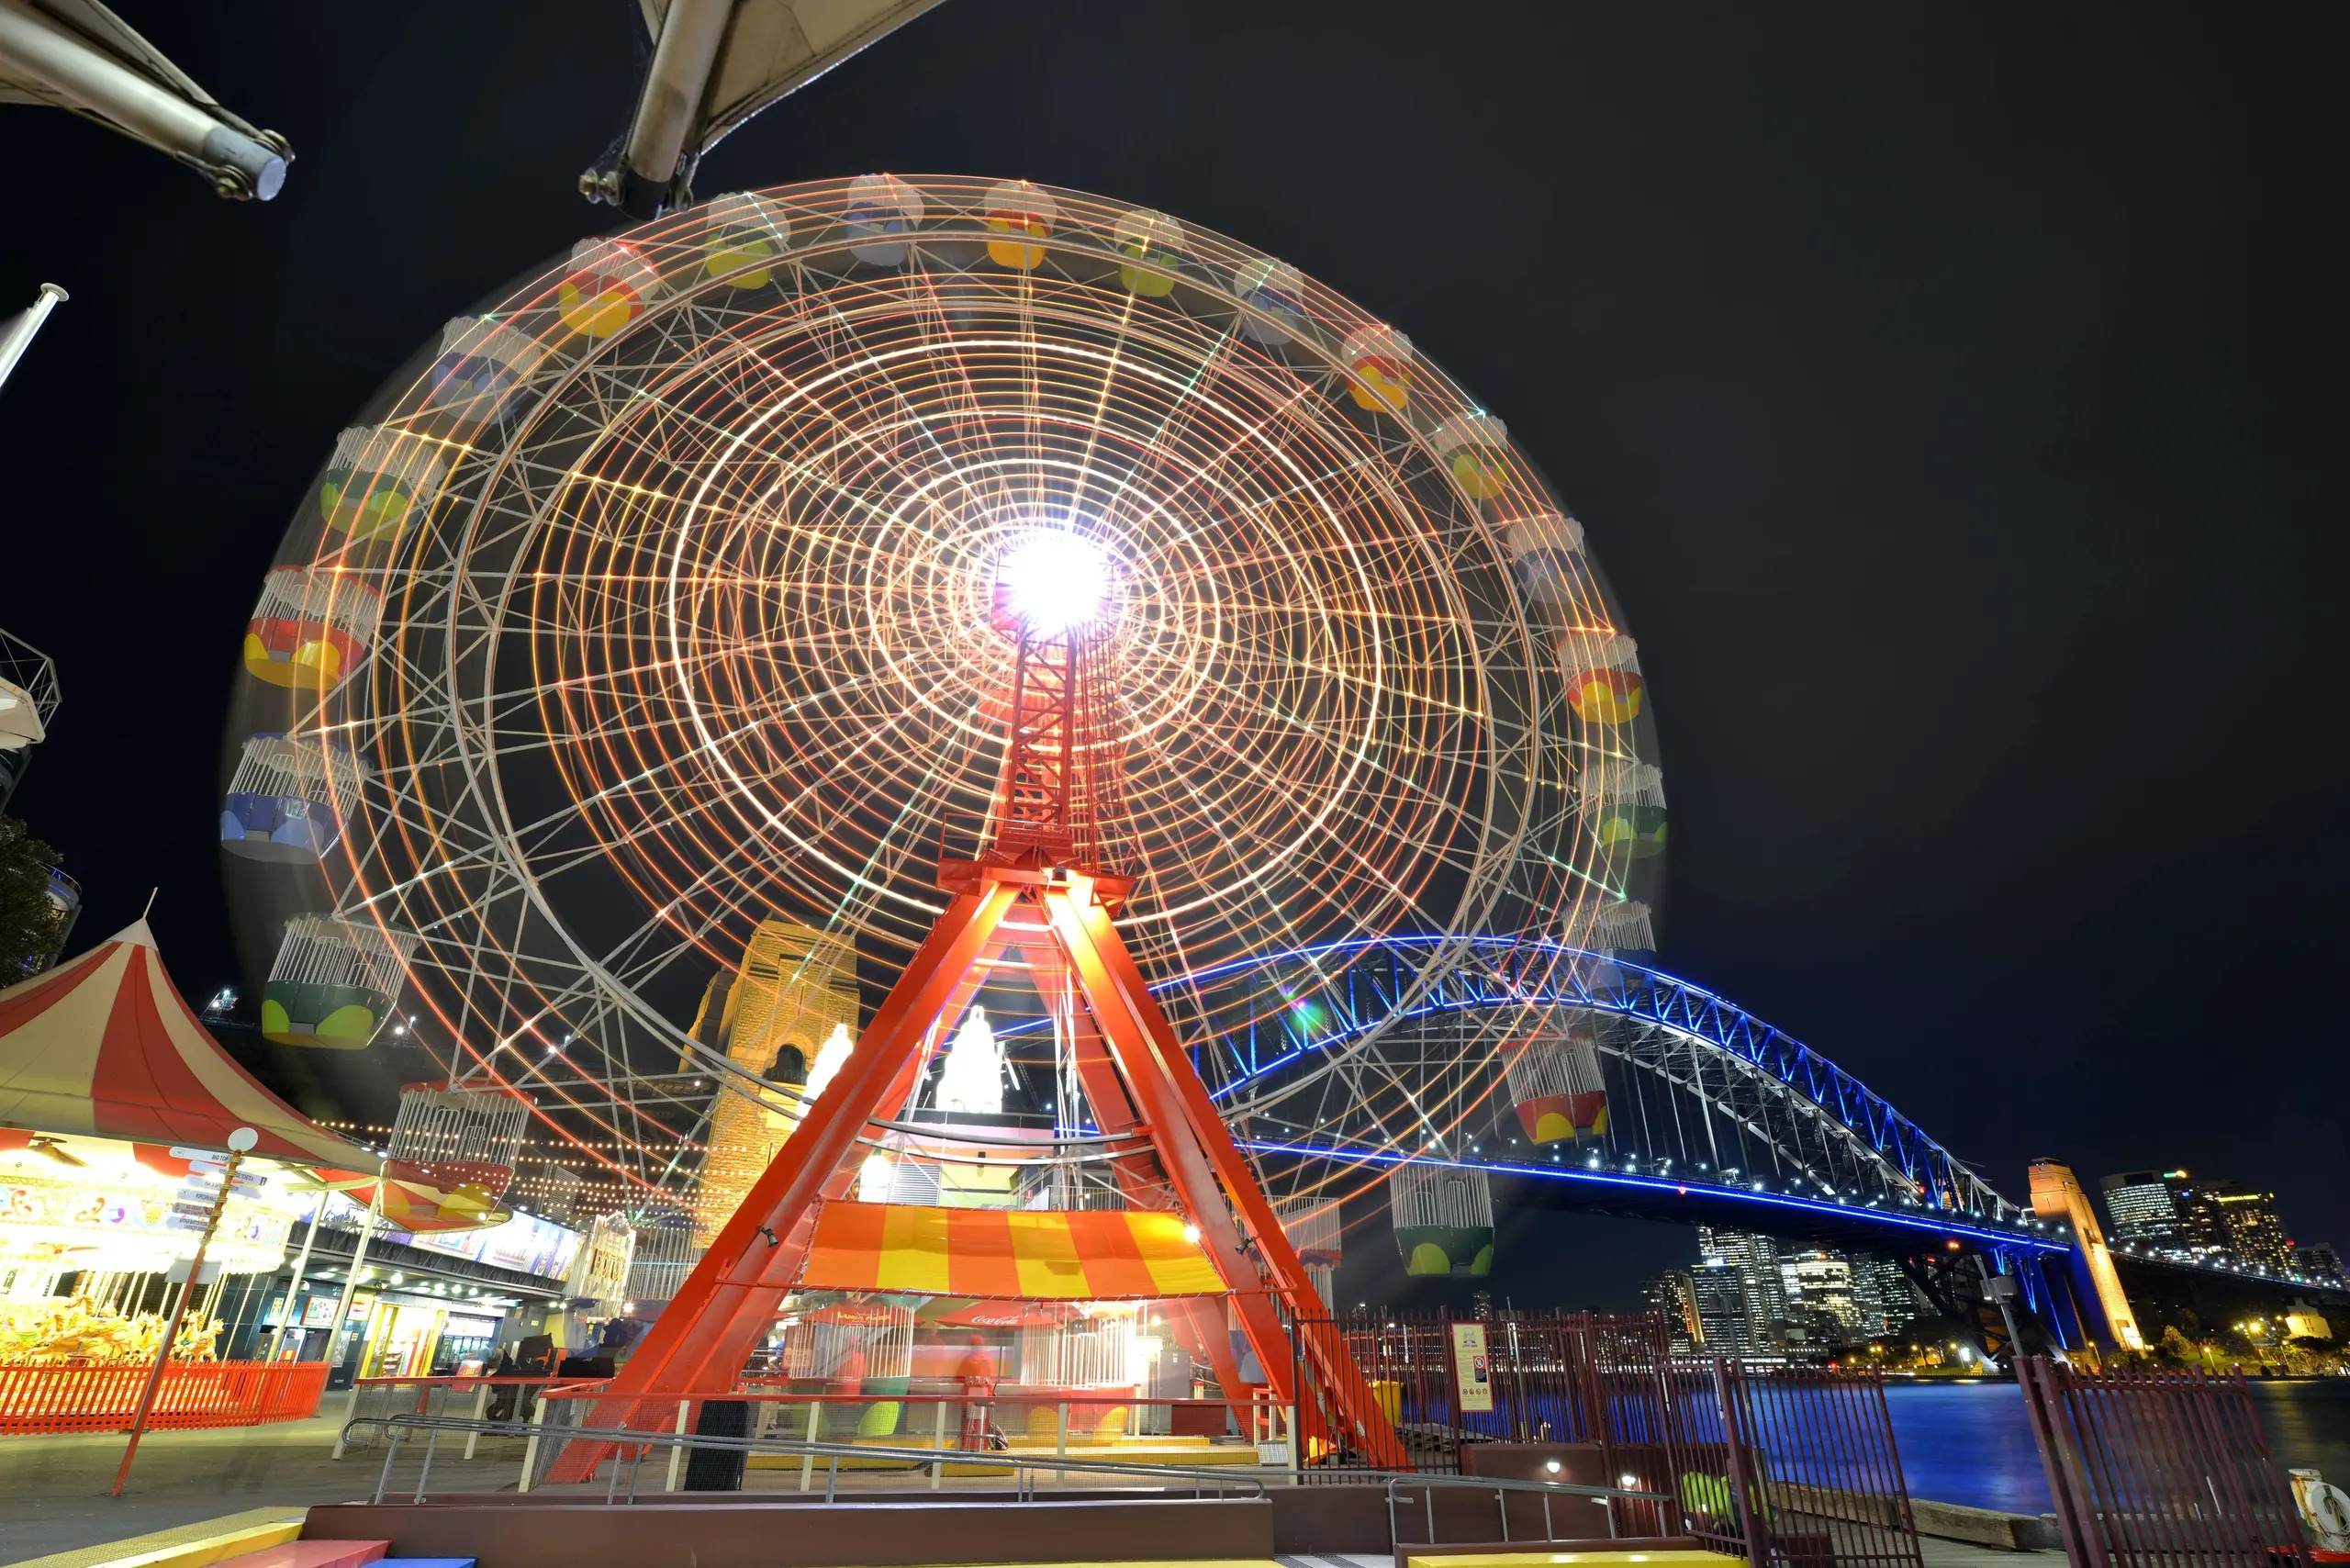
x=1953, y=395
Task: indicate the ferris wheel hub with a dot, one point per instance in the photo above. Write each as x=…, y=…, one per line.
x=1054, y=580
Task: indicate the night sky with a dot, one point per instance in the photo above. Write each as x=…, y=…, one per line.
x=1953, y=395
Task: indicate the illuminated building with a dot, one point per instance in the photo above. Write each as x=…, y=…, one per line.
x=2254, y=1230
x=2144, y=1207
x=2202, y=1223
x=1818, y=1286
x=1718, y=1299
x=796, y=988
x=1674, y=1297
x=2317, y=1260
x=1755, y=1261
x=1887, y=1300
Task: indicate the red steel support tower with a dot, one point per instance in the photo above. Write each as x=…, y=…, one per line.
x=1037, y=890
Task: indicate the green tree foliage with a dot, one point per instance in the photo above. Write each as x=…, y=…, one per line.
x=29, y=922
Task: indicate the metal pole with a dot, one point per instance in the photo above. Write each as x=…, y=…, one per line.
x=2001, y=1288
x=675, y=84
x=19, y=336
x=301, y=1264
x=481, y=1411
x=531, y=1448
x=343, y=1307
x=240, y=1140
x=91, y=81
x=1746, y=1497
x=678, y=1453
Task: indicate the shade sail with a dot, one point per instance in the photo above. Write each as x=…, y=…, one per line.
x=1031, y=1254
x=104, y=1045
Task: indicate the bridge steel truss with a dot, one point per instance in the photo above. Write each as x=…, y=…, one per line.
x=1701, y=1089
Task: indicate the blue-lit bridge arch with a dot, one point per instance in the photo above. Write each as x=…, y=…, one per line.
x=1715, y=1116
x=1356, y=1063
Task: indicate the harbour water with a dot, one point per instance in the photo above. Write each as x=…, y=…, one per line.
x=1969, y=1442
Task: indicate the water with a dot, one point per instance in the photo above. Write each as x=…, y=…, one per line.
x=1969, y=1442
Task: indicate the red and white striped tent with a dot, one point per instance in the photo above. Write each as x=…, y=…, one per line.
x=103, y=1046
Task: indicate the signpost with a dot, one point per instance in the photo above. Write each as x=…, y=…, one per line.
x=239, y=1143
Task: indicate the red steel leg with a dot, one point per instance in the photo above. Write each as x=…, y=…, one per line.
x=710, y=1328
x=1082, y=925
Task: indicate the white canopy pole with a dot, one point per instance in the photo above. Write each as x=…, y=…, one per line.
x=68, y=70
x=19, y=335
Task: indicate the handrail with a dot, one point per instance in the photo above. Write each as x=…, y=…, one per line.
x=468, y=1380
x=1023, y=1466
x=996, y=1393
x=1501, y=1488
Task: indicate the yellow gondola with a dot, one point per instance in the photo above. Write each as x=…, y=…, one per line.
x=1018, y=212
x=1380, y=359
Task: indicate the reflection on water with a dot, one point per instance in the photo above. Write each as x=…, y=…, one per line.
x=1969, y=1442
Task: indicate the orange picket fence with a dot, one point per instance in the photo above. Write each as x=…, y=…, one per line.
x=194, y=1393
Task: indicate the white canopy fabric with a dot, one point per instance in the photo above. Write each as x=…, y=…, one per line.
x=771, y=48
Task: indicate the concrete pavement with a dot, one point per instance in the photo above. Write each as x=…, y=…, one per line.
x=53, y=1489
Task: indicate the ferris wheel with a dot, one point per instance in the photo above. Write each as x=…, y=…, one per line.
x=638, y=649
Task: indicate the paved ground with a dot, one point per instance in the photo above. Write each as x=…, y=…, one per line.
x=53, y=1490
x=1967, y=1554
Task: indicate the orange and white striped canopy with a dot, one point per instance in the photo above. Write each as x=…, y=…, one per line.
x=1034, y=1254
x=104, y=1045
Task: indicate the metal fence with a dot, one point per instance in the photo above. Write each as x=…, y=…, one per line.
x=1573, y=1378
x=192, y=1394
x=2159, y=1470
x=1794, y=1466
x=1813, y=1447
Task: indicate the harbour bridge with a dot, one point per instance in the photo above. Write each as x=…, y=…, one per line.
x=1715, y=1117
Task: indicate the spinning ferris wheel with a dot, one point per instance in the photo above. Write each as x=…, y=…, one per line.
x=639, y=657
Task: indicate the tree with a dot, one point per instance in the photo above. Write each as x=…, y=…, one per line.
x=31, y=922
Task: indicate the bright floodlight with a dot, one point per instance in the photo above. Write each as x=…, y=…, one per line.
x=1058, y=581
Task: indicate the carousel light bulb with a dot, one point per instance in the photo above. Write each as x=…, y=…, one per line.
x=1058, y=581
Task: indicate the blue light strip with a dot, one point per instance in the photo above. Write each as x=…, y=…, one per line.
x=1659, y=1185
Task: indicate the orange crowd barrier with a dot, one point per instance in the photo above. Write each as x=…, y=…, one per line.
x=193, y=1394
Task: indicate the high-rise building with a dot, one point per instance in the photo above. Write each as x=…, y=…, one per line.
x=2142, y=1207
x=2255, y=1231
x=2202, y=1223
x=1888, y=1302
x=1674, y=1298
x=2317, y=1260
x=1718, y=1296
x=1754, y=1259
x=1818, y=1286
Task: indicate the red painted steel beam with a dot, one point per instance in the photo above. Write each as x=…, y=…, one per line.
x=1090, y=927
x=710, y=1328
